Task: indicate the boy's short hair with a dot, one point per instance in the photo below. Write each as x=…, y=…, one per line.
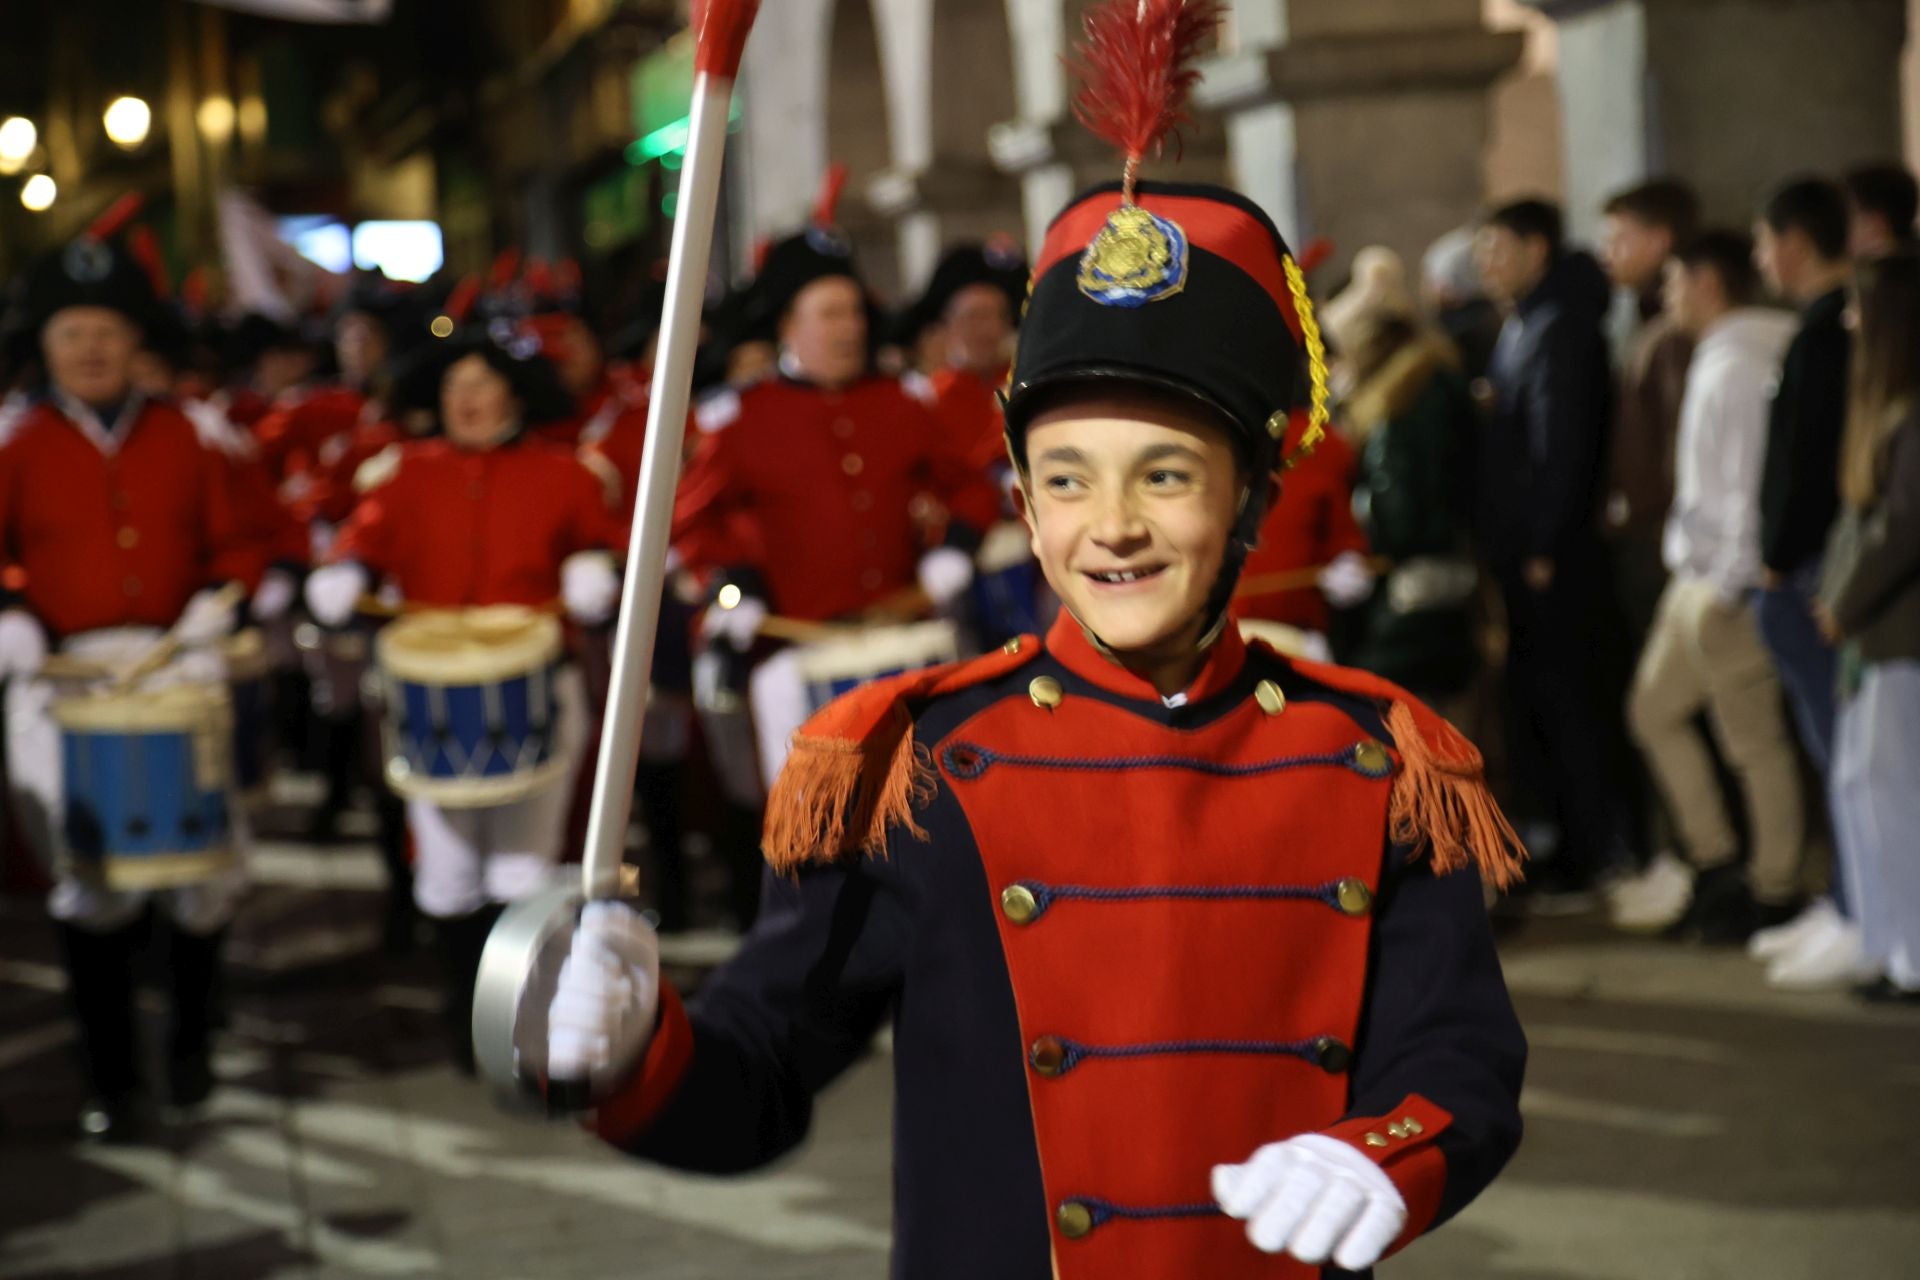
x=1815, y=207
x=1530, y=220
x=1667, y=203
x=1729, y=255
x=1888, y=190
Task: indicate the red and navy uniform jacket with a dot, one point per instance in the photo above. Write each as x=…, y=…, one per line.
x=1311, y=525
x=970, y=406
x=824, y=493
x=119, y=527
x=612, y=439
x=331, y=495
x=1119, y=943
x=292, y=435
x=458, y=528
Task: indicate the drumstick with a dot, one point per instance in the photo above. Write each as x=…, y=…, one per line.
x=720, y=37
x=227, y=597
x=1268, y=584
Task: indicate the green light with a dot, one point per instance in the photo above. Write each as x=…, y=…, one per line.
x=670, y=203
x=671, y=138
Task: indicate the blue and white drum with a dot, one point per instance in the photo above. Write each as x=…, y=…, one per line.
x=145, y=781
x=473, y=718
x=793, y=684
x=1009, y=594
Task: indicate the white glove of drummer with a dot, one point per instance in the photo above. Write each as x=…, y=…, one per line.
x=607, y=998
x=944, y=573
x=333, y=591
x=1346, y=580
x=738, y=626
x=23, y=643
x=274, y=596
x=589, y=587
x=207, y=619
x=1314, y=1197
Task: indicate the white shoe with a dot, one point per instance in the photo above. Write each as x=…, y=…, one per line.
x=1828, y=959
x=1655, y=898
x=1772, y=944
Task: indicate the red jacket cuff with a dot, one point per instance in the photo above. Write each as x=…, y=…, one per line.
x=1402, y=1143
x=622, y=1118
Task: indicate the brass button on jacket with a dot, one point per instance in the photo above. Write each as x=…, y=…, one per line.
x=1018, y=904
x=1048, y=1056
x=1045, y=692
x=1331, y=1056
x=1075, y=1219
x=1354, y=897
x=1271, y=699
x=1372, y=758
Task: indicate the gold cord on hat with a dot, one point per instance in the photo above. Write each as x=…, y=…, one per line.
x=1316, y=363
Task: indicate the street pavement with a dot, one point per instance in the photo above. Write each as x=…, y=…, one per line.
x=1684, y=1123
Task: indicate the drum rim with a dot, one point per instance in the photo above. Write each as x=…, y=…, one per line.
x=542, y=644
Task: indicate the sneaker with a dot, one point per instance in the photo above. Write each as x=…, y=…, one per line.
x=1829, y=957
x=1772, y=944
x=1654, y=899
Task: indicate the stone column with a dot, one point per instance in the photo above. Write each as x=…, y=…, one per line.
x=1732, y=95
x=1364, y=120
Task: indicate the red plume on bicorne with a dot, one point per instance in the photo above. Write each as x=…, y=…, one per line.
x=193, y=290
x=827, y=209
x=145, y=250
x=1135, y=67
x=1314, y=253
x=460, y=301
x=117, y=215
x=506, y=265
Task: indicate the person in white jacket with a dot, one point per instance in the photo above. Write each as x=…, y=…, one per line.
x=1705, y=651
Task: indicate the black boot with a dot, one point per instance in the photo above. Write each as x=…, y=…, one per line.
x=462, y=939
x=100, y=984
x=339, y=741
x=193, y=966
x=658, y=787
x=402, y=919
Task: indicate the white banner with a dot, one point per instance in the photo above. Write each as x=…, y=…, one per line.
x=370, y=11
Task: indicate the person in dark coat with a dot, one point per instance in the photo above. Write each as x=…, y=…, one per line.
x=1541, y=473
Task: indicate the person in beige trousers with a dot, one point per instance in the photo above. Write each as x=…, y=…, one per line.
x=1705, y=651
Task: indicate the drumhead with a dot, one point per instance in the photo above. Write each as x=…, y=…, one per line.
x=182, y=708
x=1006, y=544
x=872, y=651
x=468, y=646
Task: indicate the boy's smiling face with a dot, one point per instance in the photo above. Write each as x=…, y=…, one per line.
x=1131, y=501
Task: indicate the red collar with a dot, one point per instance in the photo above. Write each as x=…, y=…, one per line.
x=1068, y=643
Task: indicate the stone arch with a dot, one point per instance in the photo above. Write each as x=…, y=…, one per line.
x=972, y=83
x=859, y=135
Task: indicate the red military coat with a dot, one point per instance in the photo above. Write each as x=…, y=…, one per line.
x=1311, y=524
x=293, y=434
x=970, y=406
x=1119, y=943
x=119, y=530
x=816, y=490
x=455, y=527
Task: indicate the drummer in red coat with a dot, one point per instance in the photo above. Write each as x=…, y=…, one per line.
x=1312, y=552
x=1181, y=941
x=122, y=522
x=975, y=297
x=483, y=514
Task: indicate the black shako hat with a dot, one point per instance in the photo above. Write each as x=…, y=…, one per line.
x=531, y=377
x=89, y=272
x=1187, y=289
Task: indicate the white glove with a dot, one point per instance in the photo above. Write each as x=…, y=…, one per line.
x=944, y=573
x=207, y=619
x=1314, y=1197
x=333, y=591
x=274, y=596
x=23, y=643
x=1347, y=580
x=738, y=626
x=606, y=1000
x=589, y=587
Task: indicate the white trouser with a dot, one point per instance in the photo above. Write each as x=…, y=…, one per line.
x=465, y=858
x=34, y=767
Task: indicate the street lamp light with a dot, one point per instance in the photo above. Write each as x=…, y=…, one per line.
x=18, y=138
x=37, y=193
x=215, y=118
x=127, y=120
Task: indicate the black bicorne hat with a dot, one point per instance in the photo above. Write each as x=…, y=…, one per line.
x=89, y=272
x=418, y=376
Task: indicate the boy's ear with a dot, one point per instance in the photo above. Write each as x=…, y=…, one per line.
x=1023, y=508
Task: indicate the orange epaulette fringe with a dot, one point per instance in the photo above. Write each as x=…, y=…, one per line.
x=855, y=772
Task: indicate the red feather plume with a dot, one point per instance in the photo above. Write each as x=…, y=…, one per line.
x=1135, y=67
x=826, y=210
x=117, y=215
